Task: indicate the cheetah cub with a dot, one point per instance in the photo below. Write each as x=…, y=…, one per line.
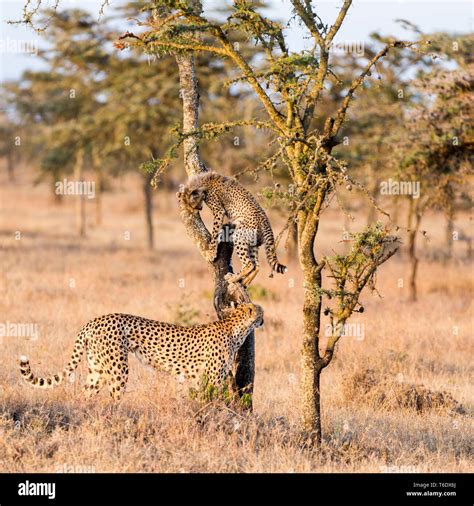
x=192, y=353
x=227, y=198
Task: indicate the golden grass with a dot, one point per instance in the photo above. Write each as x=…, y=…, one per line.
x=52, y=279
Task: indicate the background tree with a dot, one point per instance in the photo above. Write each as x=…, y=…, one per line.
x=93, y=108
x=437, y=152
x=9, y=129
x=59, y=104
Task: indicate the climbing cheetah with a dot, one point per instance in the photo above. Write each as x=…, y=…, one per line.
x=192, y=353
x=226, y=197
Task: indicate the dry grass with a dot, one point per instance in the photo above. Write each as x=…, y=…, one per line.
x=156, y=428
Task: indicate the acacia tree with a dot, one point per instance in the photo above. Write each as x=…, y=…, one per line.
x=437, y=152
x=289, y=87
x=93, y=108
x=376, y=126
x=8, y=150
x=59, y=103
x=140, y=106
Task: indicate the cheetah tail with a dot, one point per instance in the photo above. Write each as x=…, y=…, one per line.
x=269, y=242
x=55, y=379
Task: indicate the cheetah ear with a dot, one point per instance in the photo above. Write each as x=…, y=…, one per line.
x=179, y=195
x=232, y=305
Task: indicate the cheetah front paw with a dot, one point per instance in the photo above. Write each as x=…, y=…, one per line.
x=230, y=278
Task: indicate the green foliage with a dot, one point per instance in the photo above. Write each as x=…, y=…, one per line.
x=350, y=273
x=207, y=392
x=275, y=196
x=246, y=401
x=116, y=108
x=258, y=292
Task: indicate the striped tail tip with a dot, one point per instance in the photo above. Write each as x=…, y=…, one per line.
x=281, y=269
x=25, y=369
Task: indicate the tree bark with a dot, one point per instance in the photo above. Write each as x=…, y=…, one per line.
x=224, y=294
x=311, y=363
x=80, y=202
x=449, y=233
x=414, y=219
x=99, y=186
x=10, y=167
x=310, y=359
x=148, y=197
x=291, y=244
x=372, y=186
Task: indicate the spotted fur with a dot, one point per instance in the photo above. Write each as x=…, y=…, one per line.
x=192, y=353
x=227, y=198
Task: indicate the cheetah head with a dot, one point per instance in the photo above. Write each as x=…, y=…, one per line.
x=193, y=197
x=250, y=313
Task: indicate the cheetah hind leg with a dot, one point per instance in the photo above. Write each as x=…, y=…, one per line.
x=93, y=384
x=117, y=376
x=253, y=255
x=247, y=280
x=248, y=257
x=117, y=384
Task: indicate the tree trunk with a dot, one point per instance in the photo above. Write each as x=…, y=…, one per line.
x=99, y=187
x=395, y=211
x=10, y=167
x=310, y=358
x=224, y=294
x=311, y=363
x=449, y=234
x=372, y=188
x=291, y=244
x=414, y=219
x=98, y=201
x=80, y=202
x=147, y=193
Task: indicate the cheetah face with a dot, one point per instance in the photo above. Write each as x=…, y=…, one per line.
x=254, y=314
x=196, y=198
x=259, y=317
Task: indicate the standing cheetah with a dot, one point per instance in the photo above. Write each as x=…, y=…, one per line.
x=197, y=352
x=226, y=197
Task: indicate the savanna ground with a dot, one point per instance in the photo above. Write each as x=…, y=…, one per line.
x=377, y=417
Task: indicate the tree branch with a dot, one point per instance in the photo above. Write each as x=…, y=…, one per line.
x=173, y=45
x=252, y=79
x=337, y=24
x=308, y=19
x=341, y=112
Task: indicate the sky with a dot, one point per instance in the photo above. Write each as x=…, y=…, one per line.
x=18, y=43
